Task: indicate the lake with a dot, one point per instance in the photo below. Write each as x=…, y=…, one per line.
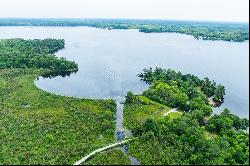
x=109, y=61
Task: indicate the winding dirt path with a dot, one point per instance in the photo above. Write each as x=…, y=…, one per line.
x=100, y=150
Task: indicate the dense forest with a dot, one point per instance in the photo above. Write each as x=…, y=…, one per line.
x=186, y=141
x=181, y=87
x=191, y=135
x=20, y=53
x=237, y=32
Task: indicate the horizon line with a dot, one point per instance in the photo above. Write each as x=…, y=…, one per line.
x=106, y=18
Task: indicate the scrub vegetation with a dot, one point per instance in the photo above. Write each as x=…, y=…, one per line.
x=41, y=128
x=111, y=157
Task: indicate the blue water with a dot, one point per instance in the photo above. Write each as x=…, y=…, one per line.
x=110, y=60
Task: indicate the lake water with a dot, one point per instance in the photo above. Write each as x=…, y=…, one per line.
x=110, y=60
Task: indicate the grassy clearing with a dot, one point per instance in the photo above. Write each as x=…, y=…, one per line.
x=41, y=128
x=174, y=115
x=137, y=113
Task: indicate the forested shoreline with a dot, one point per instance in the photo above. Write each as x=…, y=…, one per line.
x=236, y=32
x=20, y=53
x=189, y=136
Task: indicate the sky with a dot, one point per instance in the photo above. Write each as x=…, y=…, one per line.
x=207, y=10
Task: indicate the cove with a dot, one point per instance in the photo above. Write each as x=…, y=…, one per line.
x=109, y=61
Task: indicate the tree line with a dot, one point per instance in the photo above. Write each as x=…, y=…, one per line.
x=236, y=32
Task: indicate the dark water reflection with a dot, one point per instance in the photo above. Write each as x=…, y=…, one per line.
x=110, y=60
x=51, y=75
